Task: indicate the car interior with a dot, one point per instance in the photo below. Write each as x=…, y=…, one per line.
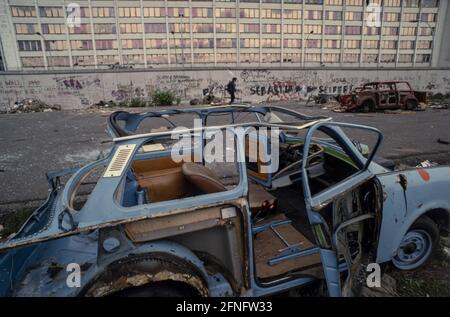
x=279, y=219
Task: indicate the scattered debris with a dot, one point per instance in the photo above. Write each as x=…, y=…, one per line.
x=194, y=101
x=446, y=251
x=443, y=142
x=104, y=104
x=440, y=106
x=427, y=163
x=30, y=105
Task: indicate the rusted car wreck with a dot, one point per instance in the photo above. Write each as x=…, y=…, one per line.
x=150, y=225
x=387, y=95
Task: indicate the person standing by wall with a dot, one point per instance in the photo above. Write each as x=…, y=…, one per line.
x=231, y=88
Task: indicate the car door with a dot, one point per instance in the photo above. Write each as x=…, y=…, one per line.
x=339, y=213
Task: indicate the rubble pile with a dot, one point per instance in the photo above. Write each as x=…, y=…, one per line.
x=30, y=105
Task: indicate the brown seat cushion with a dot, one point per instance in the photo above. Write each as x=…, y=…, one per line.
x=165, y=184
x=202, y=178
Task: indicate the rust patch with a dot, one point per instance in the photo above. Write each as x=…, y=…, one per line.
x=424, y=175
x=125, y=282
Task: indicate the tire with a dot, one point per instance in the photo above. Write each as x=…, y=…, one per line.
x=411, y=104
x=418, y=245
x=368, y=106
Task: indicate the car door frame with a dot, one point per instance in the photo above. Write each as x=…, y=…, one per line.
x=329, y=254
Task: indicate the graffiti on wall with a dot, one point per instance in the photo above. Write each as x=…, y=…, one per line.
x=254, y=85
x=127, y=91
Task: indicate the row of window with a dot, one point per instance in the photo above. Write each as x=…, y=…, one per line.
x=197, y=12
x=185, y=28
x=202, y=58
x=61, y=45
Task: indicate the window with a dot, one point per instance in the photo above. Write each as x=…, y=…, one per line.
x=82, y=29
x=408, y=31
x=271, y=28
x=225, y=13
x=313, y=15
x=353, y=44
x=26, y=28
x=250, y=28
x=202, y=28
x=105, y=44
x=130, y=12
x=203, y=43
x=249, y=13
x=155, y=27
x=333, y=15
x=51, y=12
x=23, y=11
x=155, y=43
x=405, y=58
x=407, y=45
x=292, y=14
x=130, y=28
x=58, y=45
x=333, y=29
x=100, y=12
x=389, y=45
x=353, y=30
x=29, y=45
x=271, y=13
x=154, y=12
x=292, y=28
x=249, y=43
x=104, y=28
x=270, y=43
x=331, y=58
x=423, y=58
x=201, y=12
x=387, y=58
x=371, y=44
x=391, y=17
x=32, y=62
x=231, y=28
x=370, y=58
x=81, y=45
x=353, y=16
x=351, y=58
x=332, y=44
x=292, y=43
x=53, y=28
x=132, y=44
x=226, y=43
x=203, y=58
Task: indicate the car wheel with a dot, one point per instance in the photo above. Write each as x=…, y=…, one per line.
x=411, y=104
x=368, y=106
x=418, y=245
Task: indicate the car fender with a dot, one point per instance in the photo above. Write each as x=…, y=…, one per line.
x=408, y=195
x=102, y=280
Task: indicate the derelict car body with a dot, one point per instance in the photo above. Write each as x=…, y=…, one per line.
x=246, y=234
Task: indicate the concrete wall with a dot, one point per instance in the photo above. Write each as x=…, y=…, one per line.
x=82, y=89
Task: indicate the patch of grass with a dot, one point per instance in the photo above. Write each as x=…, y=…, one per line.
x=432, y=280
x=13, y=221
x=163, y=98
x=137, y=103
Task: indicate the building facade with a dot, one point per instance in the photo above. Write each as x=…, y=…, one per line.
x=78, y=34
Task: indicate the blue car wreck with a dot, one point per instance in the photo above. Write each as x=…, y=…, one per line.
x=140, y=223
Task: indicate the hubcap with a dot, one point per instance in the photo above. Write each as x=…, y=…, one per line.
x=414, y=250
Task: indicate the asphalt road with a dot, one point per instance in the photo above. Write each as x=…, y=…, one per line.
x=32, y=144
